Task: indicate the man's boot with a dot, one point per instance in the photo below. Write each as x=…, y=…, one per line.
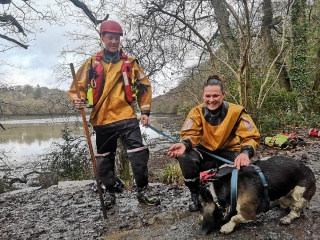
x=145, y=196
x=109, y=198
x=195, y=204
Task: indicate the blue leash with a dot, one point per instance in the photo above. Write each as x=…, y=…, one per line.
x=175, y=140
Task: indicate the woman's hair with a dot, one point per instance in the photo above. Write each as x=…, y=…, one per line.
x=214, y=80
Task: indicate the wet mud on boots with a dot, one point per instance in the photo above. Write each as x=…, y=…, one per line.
x=145, y=196
x=109, y=199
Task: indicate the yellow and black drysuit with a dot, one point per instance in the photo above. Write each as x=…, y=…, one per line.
x=112, y=117
x=225, y=132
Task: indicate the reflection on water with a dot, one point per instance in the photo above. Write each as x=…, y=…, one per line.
x=35, y=136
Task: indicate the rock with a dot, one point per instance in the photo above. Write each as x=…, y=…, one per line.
x=74, y=184
x=173, y=227
x=24, y=190
x=168, y=217
x=48, y=179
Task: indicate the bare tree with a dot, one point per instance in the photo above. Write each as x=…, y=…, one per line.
x=21, y=21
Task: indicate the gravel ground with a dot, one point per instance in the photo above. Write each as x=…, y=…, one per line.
x=72, y=211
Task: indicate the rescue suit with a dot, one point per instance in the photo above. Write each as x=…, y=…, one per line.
x=225, y=132
x=113, y=117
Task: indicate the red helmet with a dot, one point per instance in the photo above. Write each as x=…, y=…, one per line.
x=111, y=27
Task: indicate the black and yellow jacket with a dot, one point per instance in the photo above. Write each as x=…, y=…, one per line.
x=231, y=129
x=112, y=106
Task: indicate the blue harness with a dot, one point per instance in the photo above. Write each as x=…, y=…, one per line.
x=234, y=177
x=234, y=188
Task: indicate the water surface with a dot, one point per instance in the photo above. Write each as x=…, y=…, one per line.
x=36, y=135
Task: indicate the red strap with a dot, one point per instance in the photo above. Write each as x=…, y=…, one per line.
x=123, y=56
x=289, y=135
x=205, y=175
x=98, y=57
x=127, y=74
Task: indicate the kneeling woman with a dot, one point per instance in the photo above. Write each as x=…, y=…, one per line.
x=218, y=127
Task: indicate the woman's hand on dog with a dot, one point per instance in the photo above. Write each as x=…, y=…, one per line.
x=241, y=161
x=176, y=150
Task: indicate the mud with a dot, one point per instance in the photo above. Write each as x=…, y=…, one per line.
x=73, y=212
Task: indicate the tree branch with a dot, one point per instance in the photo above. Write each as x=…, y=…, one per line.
x=86, y=10
x=14, y=41
x=160, y=9
x=9, y=18
x=5, y=1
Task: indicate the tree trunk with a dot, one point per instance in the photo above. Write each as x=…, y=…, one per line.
x=227, y=35
x=267, y=24
x=316, y=83
x=298, y=73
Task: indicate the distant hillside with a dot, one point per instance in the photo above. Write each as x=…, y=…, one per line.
x=28, y=100
x=186, y=95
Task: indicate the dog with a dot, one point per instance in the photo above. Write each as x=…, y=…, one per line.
x=291, y=184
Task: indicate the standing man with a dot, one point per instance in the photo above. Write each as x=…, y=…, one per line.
x=105, y=80
x=218, y=127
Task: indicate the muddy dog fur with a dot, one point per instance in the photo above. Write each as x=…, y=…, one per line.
x=291, y=185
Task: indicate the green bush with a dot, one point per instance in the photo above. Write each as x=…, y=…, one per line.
x=186, y=108
x=71, y=159
x=5, y=185
x=278, y=110
x=172, y=173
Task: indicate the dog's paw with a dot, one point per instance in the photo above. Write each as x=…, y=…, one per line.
x=226, y=229
x=285, y=220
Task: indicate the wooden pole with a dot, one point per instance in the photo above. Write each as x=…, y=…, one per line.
x=90, y=144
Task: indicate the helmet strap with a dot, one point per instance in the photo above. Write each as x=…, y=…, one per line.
x=101, y=42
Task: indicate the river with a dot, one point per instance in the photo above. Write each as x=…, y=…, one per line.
x=34, y=136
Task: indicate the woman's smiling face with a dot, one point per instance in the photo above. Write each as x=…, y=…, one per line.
x=213, y=96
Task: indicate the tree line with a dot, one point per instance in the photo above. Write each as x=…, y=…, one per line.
x=267, y=51
x=29, y=100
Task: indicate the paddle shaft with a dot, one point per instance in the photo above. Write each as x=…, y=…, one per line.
x=90, y=144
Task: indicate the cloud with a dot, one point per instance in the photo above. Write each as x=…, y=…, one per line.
x=36, y=64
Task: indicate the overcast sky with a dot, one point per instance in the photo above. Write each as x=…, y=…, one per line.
x=38, y=60
x=36, y=63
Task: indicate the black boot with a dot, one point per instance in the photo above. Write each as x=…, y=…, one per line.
x=145, y=196
x=109, y=199
x=194, y=204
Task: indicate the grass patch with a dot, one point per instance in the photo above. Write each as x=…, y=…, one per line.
x=172, y=173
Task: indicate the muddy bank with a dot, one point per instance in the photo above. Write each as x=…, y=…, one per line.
x=70, y=211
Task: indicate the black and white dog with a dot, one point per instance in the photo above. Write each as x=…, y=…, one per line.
x=290, y=185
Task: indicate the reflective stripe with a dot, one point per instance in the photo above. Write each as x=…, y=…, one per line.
x=136, y=149
x=226, y=165
x=145, y=106
x=125, y=78
x=103, y=154
x=141, y=75
x=191, y=180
